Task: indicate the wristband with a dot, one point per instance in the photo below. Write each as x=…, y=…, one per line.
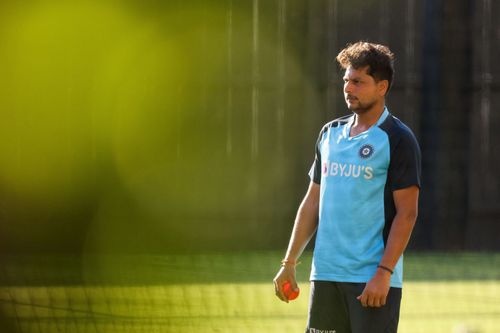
x=386, y=269
x=285, y=262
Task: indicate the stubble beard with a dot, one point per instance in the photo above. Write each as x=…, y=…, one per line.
x=362, y=108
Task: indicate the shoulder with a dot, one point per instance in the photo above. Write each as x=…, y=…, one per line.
x=336, y=123
x=398, y=132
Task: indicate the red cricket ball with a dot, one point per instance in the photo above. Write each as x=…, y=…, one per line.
x=289, y=293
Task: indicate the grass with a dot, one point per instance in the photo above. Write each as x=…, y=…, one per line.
x=224, y=293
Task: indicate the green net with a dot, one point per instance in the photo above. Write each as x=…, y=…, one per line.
x=226, y=293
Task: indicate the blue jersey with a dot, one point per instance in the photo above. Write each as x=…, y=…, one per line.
x=357, y=176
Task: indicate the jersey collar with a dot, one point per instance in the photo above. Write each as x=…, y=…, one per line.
x=383, y=116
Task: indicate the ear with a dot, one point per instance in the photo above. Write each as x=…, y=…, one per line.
x=383, y=86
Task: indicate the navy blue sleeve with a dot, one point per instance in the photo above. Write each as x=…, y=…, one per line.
x=405, y=165
x=315, y=171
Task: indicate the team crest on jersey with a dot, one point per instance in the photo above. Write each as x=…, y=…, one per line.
x=366, y=151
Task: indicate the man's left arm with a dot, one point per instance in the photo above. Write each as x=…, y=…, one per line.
x=406, y=203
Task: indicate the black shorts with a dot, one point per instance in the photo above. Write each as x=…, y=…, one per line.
x=333, y=308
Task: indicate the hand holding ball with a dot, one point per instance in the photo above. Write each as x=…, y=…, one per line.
x=289, y=293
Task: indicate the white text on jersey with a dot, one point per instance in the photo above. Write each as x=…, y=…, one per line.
x=346, y=170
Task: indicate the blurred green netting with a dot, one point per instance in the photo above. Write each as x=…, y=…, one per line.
x=225, y=293
x=114, y=113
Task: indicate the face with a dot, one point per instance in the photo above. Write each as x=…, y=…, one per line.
x=361, y=91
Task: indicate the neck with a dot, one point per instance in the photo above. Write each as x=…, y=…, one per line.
x=363, y=121
x=369, y=117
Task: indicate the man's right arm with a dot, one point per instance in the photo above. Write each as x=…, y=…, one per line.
x=304, y=228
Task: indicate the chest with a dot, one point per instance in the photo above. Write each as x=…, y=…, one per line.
x=365, y=156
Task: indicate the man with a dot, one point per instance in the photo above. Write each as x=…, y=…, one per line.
x=362, y=201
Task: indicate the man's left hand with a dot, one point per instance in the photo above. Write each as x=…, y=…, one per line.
x=376, y=290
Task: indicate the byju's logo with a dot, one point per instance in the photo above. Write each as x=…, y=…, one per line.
x=366, y=151
x=346, y=170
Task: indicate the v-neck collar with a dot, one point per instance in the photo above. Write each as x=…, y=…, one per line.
x=380, y=120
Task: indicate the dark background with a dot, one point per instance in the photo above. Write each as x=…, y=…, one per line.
x=112, y=142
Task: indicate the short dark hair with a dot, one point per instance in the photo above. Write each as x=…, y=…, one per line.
x=378, y=58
